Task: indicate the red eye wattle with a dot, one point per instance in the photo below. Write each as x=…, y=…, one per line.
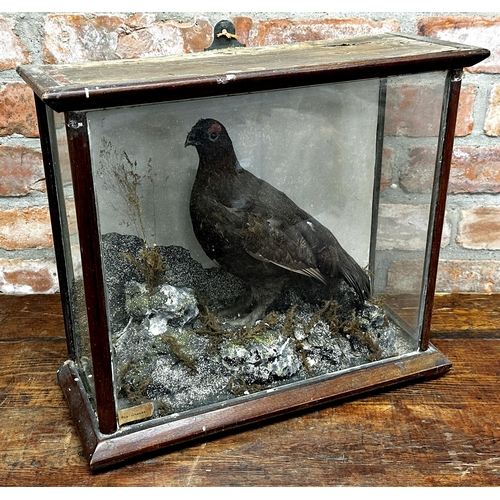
x=214, y=128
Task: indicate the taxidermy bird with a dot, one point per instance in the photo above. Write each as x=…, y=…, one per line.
x=257, y=233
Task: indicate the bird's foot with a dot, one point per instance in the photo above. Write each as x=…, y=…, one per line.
x=238, y=309
x=247, y=311
x=249, y=320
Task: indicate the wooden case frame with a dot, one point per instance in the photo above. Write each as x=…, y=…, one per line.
x=74, y=89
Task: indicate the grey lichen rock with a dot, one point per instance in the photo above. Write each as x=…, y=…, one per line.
x=264, y=360
x=121, y=252
x=167, y=350
x=169, y=305
x=374, y=319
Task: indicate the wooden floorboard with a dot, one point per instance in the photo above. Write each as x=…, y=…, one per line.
x=466, y=316
x=441, y=432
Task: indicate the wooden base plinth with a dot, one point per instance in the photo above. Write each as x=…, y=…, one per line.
x=105, y=450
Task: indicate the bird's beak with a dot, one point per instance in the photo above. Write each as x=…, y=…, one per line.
x=190, y=140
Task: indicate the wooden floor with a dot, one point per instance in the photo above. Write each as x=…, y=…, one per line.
x=443, y=432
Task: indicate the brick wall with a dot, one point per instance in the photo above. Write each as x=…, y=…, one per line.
x=470, y=258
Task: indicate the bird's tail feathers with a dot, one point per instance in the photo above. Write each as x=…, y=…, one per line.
x=356, y=277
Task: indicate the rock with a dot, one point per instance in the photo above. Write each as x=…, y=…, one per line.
x=164, y=351
x=169, y=305
x=263, y=360
x=119, y=252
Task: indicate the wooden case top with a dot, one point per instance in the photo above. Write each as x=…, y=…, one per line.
x=101, y=84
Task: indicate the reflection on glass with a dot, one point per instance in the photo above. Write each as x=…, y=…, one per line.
x=230, y=272
x=80, y=340
x=411, y=137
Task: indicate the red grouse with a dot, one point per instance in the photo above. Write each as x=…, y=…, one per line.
x=254, y=231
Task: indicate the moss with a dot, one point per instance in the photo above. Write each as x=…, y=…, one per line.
x=177, y=349
x=133, y=383
x=150, y=264
x=256, y=332
x=211, y=328
x=162, y=409
x=237, y=386
x=120, y=175
x=348, y=327
x=290, y=323
x=379, y=301
x=301, y=351
x=328, y=313
x=352, y=329
x=340, y=323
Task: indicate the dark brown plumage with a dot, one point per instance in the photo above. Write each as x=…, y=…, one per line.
x=256, y=232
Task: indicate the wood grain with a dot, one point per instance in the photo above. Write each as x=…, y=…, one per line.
x=466, y=316
x=100, y=84
x=439, y=432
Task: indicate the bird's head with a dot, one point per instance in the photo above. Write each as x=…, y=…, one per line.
x=209, y=135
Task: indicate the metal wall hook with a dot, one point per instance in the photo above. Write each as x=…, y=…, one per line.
x=224, y=36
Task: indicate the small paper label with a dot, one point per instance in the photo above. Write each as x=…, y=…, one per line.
x=135, y=413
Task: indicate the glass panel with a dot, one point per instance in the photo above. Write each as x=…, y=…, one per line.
x=411, y=140
x=71, y=248
x=218, y=285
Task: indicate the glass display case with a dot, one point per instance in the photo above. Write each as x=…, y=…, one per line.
x=246, y=232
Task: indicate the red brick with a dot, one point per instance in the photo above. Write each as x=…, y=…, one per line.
x=71, y=215
x=479, y=228
x=197, y=35
x=387, y=168
x=28, y=276
x=12, y=51
x=21, y=170
x=475, y=170
x=454, y=276
x=105, y=37
x=413, y=110
x=151, y=40
x=465, y=118
x=70, y=38
x=418, y=175
x=405, y=277
x=242, y=26
x=284, y=31
x=404, y=227
x=143, y=37
x=22, y=228
x=492, y=122
x=471, y=30
x=17, y=110
x=468, y=276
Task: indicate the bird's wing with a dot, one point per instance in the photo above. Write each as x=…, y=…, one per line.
x=266, y=224
x=332, y=259
x=273, y=241
x=291, y=265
